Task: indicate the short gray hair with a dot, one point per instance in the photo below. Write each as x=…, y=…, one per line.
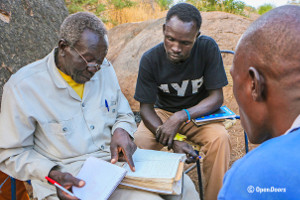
x=74, y=25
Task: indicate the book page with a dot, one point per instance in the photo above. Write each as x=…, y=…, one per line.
x=154, y=169
x=101, y=178
x=154, y=164
x=147, y=155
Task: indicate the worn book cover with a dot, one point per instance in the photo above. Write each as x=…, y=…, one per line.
x=156, y=171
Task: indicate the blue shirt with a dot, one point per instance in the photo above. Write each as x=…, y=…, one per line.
x=271, y=171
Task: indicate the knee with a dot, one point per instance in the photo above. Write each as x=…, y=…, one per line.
x=222, y=137
x=137, y=137
x=145, y=139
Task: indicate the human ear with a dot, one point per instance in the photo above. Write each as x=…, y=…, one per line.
x=164, y=28
x=257, y=85
x=62, y=44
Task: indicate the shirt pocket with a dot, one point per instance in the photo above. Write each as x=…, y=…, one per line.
x=63, y=127
x=110, y=109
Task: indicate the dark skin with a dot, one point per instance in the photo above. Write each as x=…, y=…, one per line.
x=94, y=49
x=265, y=74
x=179, y=39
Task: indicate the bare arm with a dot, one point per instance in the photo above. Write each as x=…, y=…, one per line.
x=169, y=129
x=149, y=116
x=206, y=106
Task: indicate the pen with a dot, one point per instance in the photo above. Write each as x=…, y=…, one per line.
x=106, y=104
x=198, y=157
x=59, y=186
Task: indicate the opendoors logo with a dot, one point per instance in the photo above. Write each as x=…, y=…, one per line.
x=251, y=189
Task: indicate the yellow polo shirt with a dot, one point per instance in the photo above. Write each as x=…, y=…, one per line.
x=78, y=87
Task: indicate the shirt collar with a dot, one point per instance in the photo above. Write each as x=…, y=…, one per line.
x=54, y=73
x=295, y=125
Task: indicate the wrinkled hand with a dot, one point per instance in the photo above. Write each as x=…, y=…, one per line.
x=122, y=148
x=67, y=181
x=166, y=132
x=183, y=147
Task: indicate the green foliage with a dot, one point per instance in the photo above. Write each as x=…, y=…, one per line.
x=265, y=8
x=100, y=8
x=231, y=6
x=164, y=4
x=91, y=2
x=73, y=8
x=120, y=4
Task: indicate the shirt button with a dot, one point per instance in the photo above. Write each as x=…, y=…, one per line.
x=92, y=127
x=65, y=129
x=82, y=104
x=102, y=147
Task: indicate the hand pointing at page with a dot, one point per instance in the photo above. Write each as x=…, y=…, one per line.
x=122, y=148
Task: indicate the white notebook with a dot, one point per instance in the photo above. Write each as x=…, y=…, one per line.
x=101, y=179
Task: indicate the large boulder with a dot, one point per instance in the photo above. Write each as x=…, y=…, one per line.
x=28, y=32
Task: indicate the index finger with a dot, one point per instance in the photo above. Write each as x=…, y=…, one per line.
x=193, y=154
x=128, y=159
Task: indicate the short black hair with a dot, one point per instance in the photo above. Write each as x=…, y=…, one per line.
x=186, y=13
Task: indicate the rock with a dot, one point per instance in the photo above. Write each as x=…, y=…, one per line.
x=28, y=32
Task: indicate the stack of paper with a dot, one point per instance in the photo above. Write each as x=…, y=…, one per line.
x=156, y=171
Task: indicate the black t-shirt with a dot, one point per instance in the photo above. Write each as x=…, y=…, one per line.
x=173, y=87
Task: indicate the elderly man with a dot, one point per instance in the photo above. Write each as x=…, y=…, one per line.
x=180, y=79
x=266, y=84
x=64, y=108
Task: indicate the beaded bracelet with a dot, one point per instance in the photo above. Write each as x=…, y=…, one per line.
x=188, y=114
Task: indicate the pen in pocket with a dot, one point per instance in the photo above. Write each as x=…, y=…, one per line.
x=106, y=105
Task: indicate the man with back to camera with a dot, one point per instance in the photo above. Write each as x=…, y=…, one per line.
x=64, y=108
x=266, y=84
x=181, y=79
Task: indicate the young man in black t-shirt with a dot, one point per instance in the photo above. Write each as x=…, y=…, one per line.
x=181, y=79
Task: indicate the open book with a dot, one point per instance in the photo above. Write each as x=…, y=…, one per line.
x=217, y=116
x=156, y=171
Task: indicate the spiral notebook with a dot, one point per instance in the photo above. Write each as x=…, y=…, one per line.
x=101, y=179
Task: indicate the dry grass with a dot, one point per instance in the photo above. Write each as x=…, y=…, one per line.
x=138, y=13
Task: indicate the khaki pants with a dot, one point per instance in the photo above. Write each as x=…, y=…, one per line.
x=189, y=193
x=215, y=143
